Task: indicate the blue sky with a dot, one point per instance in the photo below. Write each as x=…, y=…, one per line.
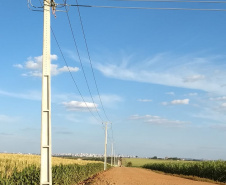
x=161, y=75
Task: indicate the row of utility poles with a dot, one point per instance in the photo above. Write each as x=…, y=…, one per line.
x=46, y=146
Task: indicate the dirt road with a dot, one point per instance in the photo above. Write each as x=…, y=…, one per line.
x=138, y=176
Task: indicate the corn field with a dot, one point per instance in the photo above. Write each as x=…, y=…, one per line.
x=214, y=170
x=17, y=169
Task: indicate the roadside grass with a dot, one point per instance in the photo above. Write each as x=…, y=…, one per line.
x=139, y=162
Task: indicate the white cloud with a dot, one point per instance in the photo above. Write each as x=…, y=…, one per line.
x=144, y=100
x=201, y=73
x=65, y=69
x=211, y=112
x=170, y=93
x=34, y=65
x=222, y=98
x=223, y=104
x=18, y=66
x=80, y=106
x=192, y=94
x=29, y=95
x=109, y=100
x=220, y=127
x=7, y=119
x=5, y=134
x=177, y=102
x=156, y=120
x=194, y=78
x=164, y=103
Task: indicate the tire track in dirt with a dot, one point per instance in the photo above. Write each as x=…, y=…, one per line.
x=139, y=176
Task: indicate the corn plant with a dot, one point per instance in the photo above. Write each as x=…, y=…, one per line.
x=16, y=169
x=214, y=170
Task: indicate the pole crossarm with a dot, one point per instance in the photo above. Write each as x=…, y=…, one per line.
x=51, y=3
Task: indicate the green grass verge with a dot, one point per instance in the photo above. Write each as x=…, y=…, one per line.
x=139, y=162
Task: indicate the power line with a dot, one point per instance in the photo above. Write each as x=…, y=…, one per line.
x=111, y=136
x=152, y=8
x=178, y=1
x=112, y=133
x=84, y=36
x=148, y=8
x=72, y=75
x=70, y=70
x=82, y=65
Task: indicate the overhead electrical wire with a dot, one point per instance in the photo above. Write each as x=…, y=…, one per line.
x=73, y=76
x=112, y=133
x=87, y=49
x=148, y=8
x=72, y=32
x=121, y=7
x=174, y=1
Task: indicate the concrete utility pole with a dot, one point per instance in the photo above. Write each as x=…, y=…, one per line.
x=112, y=154
x=46, y=148
x=114, y=158
x=105, y=148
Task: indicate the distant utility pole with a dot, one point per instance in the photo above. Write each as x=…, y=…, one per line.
x=114, y=158
x=46, y=148
x=112, y=154
x=105, y=148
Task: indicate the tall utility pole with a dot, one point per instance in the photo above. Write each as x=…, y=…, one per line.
x=46, y=148
x=112, y=154
x=105, y=148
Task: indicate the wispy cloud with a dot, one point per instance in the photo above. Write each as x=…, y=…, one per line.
x=170, y=93
x=212, y=112
x=30, y=95
x=192, y=94
x=177, y=102
x=80, y=106
x=223, y=104
x=221, y=127
x=109, y=100
x=20, y=66
x=64, y=132
x=194, y=78
x=34, y=67
x=202, y=73
x=7, y=119
x=144, y=100
x=156, y=120
x=5, y=134
x=222, y=98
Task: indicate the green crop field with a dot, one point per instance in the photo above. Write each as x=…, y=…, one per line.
x=213, y=170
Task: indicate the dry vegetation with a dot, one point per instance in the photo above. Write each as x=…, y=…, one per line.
x=25, y=169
